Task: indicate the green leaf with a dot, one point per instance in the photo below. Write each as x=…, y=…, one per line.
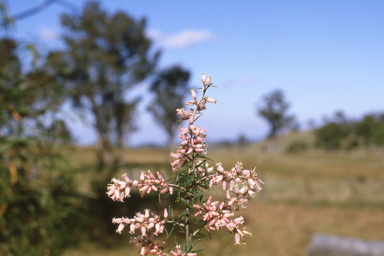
x=198, y=250
x=198, y=240
x=171, y=230
x=171, y=212
x=185, y=201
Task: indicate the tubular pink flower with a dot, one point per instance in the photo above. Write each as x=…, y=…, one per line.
x=127, y=192
x=126, y=178
x=193, y=93
x=182, y=113
x=121, y=197
x=143, y=231
x=120, y=228
x=117, y=194
x=208, y=81
x=142, y=251
x=201, y=106
x=151, y=225
x=237, y=238
x=132, y=228
x=203, y=77
x=126, y=220
x=251, y=193
x=117, y=220
x=178, y=250
x=210, y=100
x=191, y=119
x=243, y=190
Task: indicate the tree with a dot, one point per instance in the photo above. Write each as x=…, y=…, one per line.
x=170, y=87
x=105, y=56
x=6, y=20
x=34, y=183
x=274, y=111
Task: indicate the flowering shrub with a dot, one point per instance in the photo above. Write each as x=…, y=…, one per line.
x=193, y=177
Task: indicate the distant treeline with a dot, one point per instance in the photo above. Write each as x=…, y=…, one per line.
x=347, y=134
x=341, y=133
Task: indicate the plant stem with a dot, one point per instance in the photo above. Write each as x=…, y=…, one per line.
x=187, y=221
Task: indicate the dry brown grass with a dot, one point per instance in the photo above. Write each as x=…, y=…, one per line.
x=340, y=193
x=278, y=229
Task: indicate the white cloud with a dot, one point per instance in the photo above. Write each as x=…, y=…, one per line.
x=47, y=34
x=181, y=40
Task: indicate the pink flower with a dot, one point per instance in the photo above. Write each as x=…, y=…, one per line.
x=201, y=106
x=193, y=93
x=210, y=100
x=208, y=81
x=190, y=103
x=120, y=228
x=203, y=78
x=182, y=113
x=174, y=155
x=237, y=238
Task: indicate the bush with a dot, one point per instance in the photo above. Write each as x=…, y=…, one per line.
x=352, y=144
x=371, y=129
x=330, y=136
x=296, y=146
x=378, y=135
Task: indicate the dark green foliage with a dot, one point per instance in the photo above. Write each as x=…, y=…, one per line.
x=296, y=146
x=351, y=134
x=275, y=112
x=371, y=129
x=378, y=135
x=353, y=143
x=169, y=87
x=39, y=205
x=330, y=136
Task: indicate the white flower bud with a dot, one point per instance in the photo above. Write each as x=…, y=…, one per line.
x=203, y=78
x=208, y=81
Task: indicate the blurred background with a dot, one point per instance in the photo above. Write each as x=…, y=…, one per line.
x=88, y=91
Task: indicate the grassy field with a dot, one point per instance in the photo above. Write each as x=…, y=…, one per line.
x=340, y=193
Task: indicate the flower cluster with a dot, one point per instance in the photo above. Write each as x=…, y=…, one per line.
x=193, y=175
x=147, y=245
x=143, y=222
x=193, y=137
x=147, y=182
x=179, y=252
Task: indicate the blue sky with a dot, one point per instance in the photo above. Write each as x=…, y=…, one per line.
x=325, y=55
